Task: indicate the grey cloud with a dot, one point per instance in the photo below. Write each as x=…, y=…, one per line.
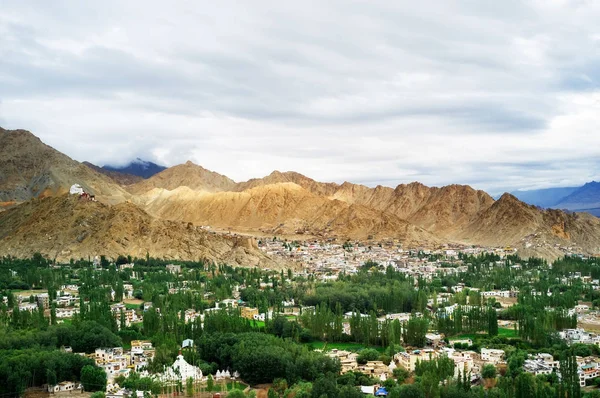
x=458, y=91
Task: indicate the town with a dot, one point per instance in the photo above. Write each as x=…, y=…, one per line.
x=377, y=312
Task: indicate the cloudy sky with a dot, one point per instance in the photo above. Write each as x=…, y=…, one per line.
x=501, y=95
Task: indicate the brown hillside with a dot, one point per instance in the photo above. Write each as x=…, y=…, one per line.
x=285, y=207
x=285, y=203
x=439, y=210
x=289, y=202
x=188, y=175
x=277, y=177
x=29, y=169
x=67, y=227
x=442, y=211
x=511, y=222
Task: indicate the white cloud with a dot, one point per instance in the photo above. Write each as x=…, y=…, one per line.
x=500, y=95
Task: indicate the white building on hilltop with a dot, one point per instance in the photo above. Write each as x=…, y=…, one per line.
x=76, y=189
x=180, y=371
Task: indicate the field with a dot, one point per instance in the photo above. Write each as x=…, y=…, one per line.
x=508, y=333
x=133, y=302
x=27, y=293
x=502, y=332
x=41, y=393
x=258, y=324
x=354, y=347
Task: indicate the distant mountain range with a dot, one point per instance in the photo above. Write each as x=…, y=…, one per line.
x=138, y=167
x=164, y=214
x=577, y=199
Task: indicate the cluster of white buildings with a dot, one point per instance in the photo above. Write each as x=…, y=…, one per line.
x=580, y=336
x=327, y=259
x=348, y=362
x=588, y=368
x=541, y=364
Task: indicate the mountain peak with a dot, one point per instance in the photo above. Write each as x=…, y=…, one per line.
x=584, y=199
x=508, y=197
x=188, y=174
x=137, y=167
x=120, y=178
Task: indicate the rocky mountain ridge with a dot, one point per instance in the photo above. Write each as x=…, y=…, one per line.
x=65, y=227
x=291, y=204
x=31, y=169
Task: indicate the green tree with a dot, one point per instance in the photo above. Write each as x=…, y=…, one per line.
x=51, y=377
x=350, y=392
x=525, y=386
x=210, y=383
x=236, y=394
x=415, y=331
x=488, y=372
x=492, y=322
x=569, y=386
x=401, y=375
x=93, y=378
x=366, y=355
x=272, y=393
x=189, y=387
x=407, y=391
x=325, y=387
x=280, y=385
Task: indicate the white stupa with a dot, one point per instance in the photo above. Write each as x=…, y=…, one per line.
x=392, y=366
x=180, y=371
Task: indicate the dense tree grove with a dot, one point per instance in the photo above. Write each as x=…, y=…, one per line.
x=351, y=310
x=22, y=368
x=260, y=357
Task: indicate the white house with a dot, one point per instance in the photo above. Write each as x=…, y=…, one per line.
x=491, y=355
x=64, y=386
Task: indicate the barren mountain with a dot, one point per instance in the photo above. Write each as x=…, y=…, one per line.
x=118, y=177
x=286, y=208
x=281, y=203
x=439, y=210
x=290, y=202
x=276, y=177
x=29, y=169
x=188, y=175
x=511, y=222
x=66, y=227
x=442, y=211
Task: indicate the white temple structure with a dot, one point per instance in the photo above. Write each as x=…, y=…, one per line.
x=222, y=375
x=76, y=189
x=180, y=371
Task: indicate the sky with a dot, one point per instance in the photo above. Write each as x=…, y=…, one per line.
x=500, y=95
